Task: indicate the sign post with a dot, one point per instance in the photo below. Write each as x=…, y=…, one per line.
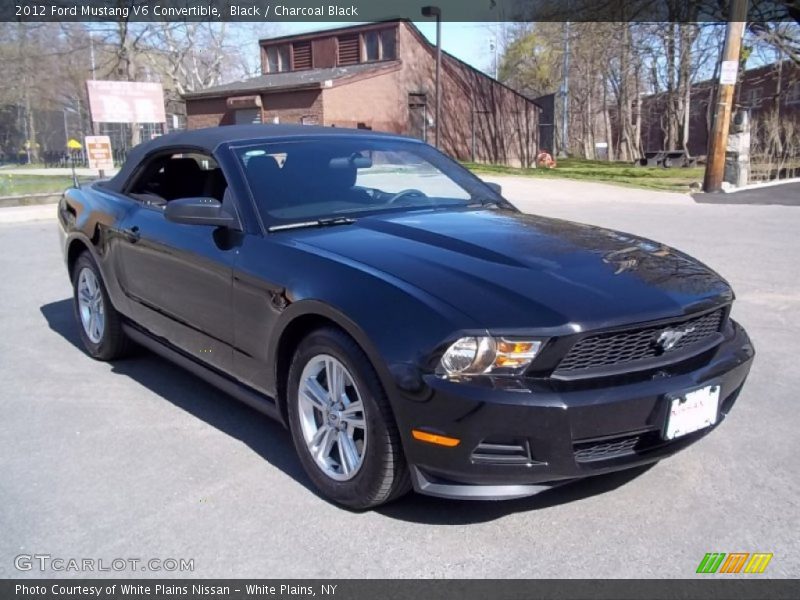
x=72, y=146
x=98, y=153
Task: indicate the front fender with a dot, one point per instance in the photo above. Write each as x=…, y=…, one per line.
x=87, y=218
x=316, y=308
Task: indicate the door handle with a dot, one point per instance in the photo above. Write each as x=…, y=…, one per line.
x=131, y=234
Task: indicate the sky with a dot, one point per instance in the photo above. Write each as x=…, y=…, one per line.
x=466, y=41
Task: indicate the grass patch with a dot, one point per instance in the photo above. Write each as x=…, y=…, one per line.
x=20, y=185
x=619, y=173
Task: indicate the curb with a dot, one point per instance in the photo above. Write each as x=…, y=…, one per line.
x=760, y=185
x=29, y=199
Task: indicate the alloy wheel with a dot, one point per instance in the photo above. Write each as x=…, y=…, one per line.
x=332, y=417
x=90, y=305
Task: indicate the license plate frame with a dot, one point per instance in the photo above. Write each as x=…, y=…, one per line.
x=691, y=410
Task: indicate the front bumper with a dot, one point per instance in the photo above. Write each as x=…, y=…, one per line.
x=520, y=437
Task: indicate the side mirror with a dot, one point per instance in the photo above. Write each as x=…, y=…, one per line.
x=496, y=187
x=199, y=211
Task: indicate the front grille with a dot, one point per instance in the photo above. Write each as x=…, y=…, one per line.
x=592, y=451
x=606, y=351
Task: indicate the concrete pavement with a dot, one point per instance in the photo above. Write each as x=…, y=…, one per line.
x=140, y=459
x=22, y=214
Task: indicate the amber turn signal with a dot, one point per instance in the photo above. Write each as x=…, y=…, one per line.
x=432, y=438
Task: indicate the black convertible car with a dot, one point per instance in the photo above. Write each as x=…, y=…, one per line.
x=408, y=324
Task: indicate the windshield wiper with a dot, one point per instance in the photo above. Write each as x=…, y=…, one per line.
x=315, y=223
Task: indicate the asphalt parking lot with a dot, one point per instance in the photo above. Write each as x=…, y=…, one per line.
x=787, y=194
x=139, y=459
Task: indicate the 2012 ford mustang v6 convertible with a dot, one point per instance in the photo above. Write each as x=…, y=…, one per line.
x=408, y=324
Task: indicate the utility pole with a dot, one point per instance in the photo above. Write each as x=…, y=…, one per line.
x=91, y=50
x=435, y=11
x=438, y=78
x=66, y=130
x=718, y=142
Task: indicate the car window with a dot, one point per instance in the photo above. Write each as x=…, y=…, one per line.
x=310, y=179
x=393, y=171
x=179, y=175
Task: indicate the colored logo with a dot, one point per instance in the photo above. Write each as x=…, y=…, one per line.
x=735, y=562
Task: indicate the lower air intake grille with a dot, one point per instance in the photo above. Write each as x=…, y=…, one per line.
x=592, y=451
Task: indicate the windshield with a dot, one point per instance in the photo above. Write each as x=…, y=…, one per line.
x=350, y=177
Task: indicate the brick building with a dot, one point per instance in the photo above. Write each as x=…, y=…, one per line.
x=774, y=87
x=378, y=76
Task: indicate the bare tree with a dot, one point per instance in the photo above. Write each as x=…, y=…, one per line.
x=775, y=146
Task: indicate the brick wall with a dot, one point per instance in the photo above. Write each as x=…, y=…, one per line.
x=504, y=125
x=207, y=112
x=374, y=102
x=289, y=107
x=293, y=107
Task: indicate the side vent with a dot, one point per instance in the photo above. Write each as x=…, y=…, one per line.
x=504, y=452
x=301, y=55
x=349, y=53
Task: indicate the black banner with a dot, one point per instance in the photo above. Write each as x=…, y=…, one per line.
x=375, y=10
x=734, y=588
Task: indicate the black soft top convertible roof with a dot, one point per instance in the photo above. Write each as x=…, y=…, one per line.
x=207, y=140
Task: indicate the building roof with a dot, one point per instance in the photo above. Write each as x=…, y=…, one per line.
x=308, y=78
x=315, y=78
x=331, y=31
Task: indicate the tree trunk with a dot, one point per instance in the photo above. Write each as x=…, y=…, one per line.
x=607, y=121
x=689, y=32
x=671, y=129
x=637, y=116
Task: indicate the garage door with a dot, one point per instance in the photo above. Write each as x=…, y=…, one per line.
x=245, y=116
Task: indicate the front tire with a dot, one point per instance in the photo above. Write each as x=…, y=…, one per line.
x=99, y=323
x=342, y=425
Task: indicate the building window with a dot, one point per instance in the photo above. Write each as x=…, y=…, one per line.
x=379, y=45
x=277, y=59
x=389, y=44
x=752, y=98
x=371, y=46
x=793, y=95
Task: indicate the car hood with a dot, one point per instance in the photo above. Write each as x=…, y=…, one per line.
x=509, y=270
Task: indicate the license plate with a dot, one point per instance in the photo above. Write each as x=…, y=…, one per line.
x=692, y=411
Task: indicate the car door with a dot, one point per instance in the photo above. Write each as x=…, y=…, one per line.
x=178, y=277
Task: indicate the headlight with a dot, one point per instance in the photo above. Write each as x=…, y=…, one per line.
x=488, y=355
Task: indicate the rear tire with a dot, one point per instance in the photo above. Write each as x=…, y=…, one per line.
x=99, y=324
x=348, y=442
